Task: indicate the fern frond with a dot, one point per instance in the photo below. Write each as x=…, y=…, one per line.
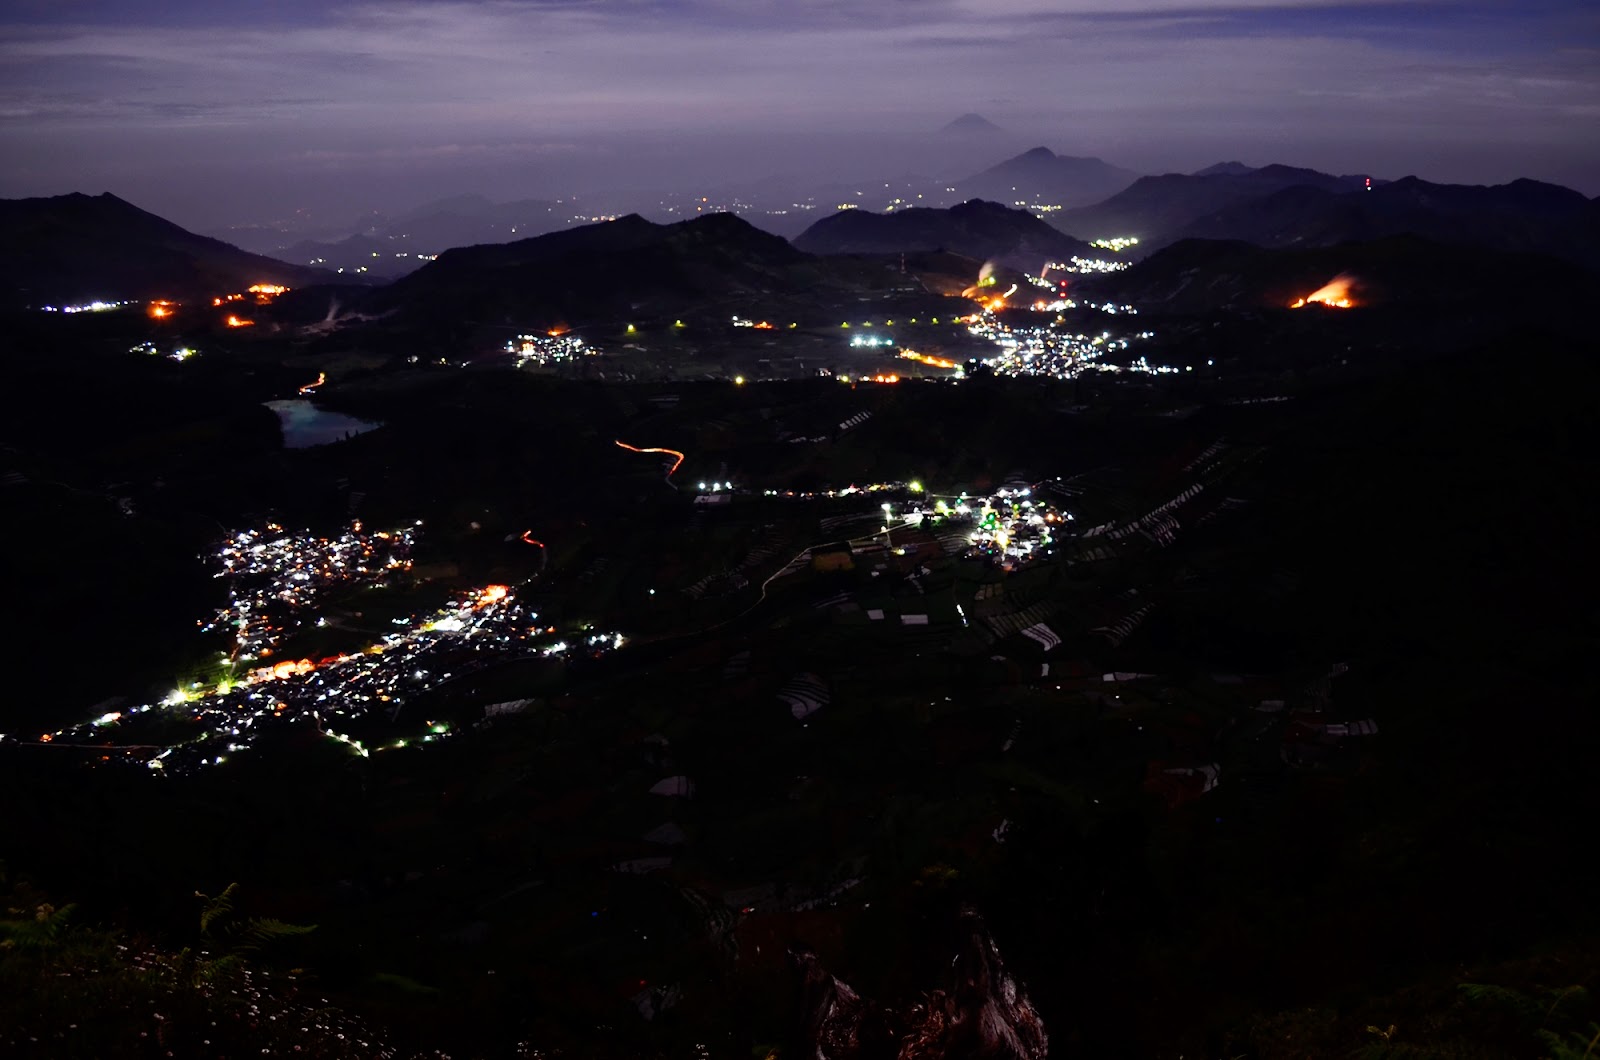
x=217, y=909
x=1575, y=994
x=219, y=970
x=44, y=929
x=254, y=934
x=1501, y=997
x=1577, y=1045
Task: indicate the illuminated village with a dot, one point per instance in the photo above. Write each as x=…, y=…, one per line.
x=277, y=582
x=551, y=348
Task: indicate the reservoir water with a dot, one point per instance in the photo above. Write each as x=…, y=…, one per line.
x=305, y=425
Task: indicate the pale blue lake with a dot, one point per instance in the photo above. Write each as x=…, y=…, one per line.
x=304, y=425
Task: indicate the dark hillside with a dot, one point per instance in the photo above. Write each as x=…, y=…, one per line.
x=1522, y=217
x=612, y=269
x=986, y=231
x=76, y=248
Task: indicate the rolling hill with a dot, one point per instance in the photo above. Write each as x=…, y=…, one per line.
x=605, y=270
x=986, y=231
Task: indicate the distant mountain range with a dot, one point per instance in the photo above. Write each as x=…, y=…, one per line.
x=1161, y=208
x=1042, y=177
x=395, y=246
x=608, y=270
x=77, y=248
x=1225, y=169
x=1524, y=216
x=1227, y=228
x=1284, y=206
x=985, y=231
x=466, y=220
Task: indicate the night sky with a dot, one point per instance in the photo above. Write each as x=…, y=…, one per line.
x=213, y=112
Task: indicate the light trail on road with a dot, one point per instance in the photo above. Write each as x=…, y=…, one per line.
x=652, y=449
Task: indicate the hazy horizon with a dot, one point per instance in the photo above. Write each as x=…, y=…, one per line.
x=214, y=118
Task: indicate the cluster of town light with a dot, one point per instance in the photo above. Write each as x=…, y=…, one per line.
x=275, y=577
x=177, y=353
x=96, y=306
x=1012, y=526
x=549, y=348
x=232, y=712
x=1116, y=244
x=1081, y=265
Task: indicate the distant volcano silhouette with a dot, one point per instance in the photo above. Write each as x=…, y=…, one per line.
x=971, y=125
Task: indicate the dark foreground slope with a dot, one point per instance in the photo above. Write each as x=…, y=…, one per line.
x=76, y=248
x=1426, y=525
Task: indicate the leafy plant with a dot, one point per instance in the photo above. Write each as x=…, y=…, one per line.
x=227, y=939
x=1574, y=1045
x=45, y=929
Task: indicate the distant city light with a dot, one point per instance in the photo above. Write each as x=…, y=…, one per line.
x=553, y=347
x=85, y=307
x=1116, y=243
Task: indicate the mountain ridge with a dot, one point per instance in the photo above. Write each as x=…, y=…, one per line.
x=970, y=124
x=77, y=247
x=1522, y=216
x=604, y=270
x=1049, y=179
x=979, y=229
